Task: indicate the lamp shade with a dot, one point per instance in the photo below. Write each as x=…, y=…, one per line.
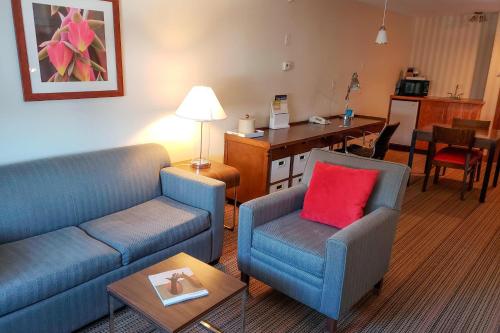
x=201, y=104
x=382, y=36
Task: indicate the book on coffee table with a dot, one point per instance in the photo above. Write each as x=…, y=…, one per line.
x=177, y=286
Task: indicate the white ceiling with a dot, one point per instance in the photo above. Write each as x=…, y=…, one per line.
x=438, y=7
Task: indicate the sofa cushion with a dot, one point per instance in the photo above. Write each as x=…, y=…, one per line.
x=295, y=241
x=36, y=268
x=148, y=228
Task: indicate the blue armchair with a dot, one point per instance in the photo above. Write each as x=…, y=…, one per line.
x=320, y=266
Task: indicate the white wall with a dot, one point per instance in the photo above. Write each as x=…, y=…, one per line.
x=450, y=50
x=234, y=46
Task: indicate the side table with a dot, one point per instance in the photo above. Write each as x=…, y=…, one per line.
x=219, y=171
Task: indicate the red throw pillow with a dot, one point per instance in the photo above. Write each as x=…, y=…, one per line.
x=338, y=195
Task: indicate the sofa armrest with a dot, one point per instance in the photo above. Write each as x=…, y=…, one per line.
x=357, y=257
x=260, y=211
x=200, y=192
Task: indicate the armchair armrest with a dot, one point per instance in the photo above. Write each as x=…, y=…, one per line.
x=262, y=210
x=200, y=192
x=357, y=257
x=370, y=144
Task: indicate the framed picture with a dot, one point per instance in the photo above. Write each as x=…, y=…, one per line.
x=68, y=49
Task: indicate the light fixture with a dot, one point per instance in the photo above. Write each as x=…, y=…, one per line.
x=201, y=104
x=354, y=85
x=382, y=33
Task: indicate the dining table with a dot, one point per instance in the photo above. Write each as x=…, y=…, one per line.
x=485, y=139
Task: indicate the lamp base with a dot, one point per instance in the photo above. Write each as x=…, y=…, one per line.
x=200, y=163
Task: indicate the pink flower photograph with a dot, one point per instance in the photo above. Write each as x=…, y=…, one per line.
x=69, y=49
x=71, y=43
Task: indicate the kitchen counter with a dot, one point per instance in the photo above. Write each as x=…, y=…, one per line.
x=439, y=99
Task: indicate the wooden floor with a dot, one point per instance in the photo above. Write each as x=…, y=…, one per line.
x=445, y=268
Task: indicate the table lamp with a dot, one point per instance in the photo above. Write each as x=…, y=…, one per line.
x=201, y=104
x=354, y=85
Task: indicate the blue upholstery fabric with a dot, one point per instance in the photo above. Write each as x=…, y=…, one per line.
x=295, y=241
x=87, y=302
x=201, y=192
x=35, y=268
x=357, y=258
x=324, y=268
x=46, y=195
x=260, y=211
x=148, y=228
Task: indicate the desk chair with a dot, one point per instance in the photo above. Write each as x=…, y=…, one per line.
x=376, y=149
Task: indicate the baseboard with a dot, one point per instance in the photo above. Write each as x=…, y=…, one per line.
x=398, y=147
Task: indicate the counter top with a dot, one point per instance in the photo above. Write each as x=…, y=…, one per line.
x=439, y=99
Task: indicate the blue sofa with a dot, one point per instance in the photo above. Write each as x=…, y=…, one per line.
x=323, y=267
x=71, y=225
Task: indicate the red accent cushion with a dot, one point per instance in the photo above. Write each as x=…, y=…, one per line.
x=456, y=155
x=338, y=195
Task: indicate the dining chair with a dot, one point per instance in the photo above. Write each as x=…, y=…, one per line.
x=459, y=154
x=475, y=125
x=376, y=149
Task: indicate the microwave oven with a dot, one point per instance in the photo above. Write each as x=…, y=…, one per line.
x=408, y=87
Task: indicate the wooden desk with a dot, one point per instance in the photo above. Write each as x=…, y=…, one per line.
x=484, y=139
x=276, y=160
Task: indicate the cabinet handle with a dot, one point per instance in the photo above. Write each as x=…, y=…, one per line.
x=281, y=163
x=279, y=187
x=302, y=157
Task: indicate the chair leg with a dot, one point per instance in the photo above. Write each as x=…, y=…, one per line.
x=331, y=325
x=245, y=278
x=464, y=185
x=444, y=171
x=378, y=287
x=436, y=174
x=426, y=178
x=478, y=170
x=471, y=178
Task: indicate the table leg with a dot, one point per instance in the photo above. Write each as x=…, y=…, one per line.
x=497, y=171
x=243, y=309
x=235, y=206
x=487, y=172
x=412, y=152
x=111, y=314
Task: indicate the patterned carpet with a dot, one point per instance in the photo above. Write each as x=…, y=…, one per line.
x=444, y=274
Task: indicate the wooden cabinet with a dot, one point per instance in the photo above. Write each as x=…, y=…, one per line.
x=277, y=160
x=435, y=110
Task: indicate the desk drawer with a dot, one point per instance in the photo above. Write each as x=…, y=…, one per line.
x=299, y=163
x=278, y=187
x=297, y=180
x=280, y=169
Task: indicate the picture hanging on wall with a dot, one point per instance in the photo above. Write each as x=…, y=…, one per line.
x=68, y=49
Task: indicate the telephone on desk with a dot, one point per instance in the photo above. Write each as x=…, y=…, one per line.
x=318, y=120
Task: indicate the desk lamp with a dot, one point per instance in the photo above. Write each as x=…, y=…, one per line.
x=201, y=104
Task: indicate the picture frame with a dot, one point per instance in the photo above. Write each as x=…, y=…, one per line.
x=68, y=49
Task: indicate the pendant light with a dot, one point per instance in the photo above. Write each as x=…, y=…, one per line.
x=382, y=33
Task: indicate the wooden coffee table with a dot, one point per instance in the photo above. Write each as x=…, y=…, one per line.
x=137, y=292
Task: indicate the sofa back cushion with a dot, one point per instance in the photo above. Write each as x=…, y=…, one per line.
x=391, y=181
x=45, y=195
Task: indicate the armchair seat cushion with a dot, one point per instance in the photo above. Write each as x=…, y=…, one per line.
x=148, y=228
x=295, y=241
x=39, y=267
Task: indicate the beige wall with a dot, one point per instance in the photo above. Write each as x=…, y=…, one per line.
x=493, y=83
x=234, y=46
x=450, y=50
